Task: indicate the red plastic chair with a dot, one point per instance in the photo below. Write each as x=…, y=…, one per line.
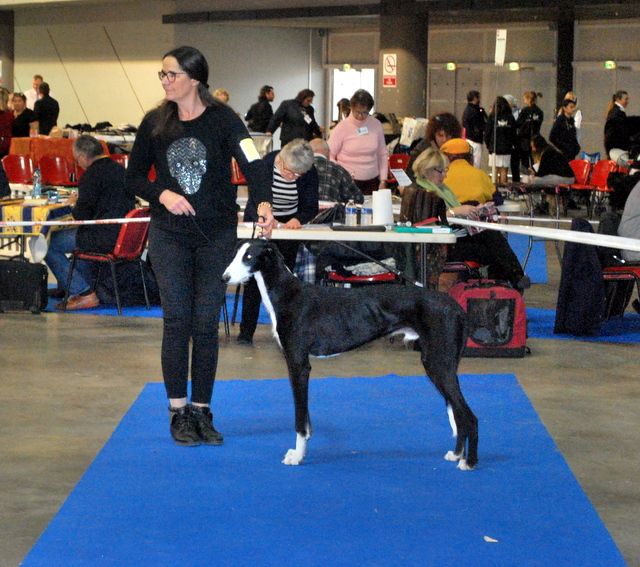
x=19, y=168
x=122, y=159
x=129, y=247
x=622, y=273
x=237, y=177
x=600, y=181
x=397, y=161
x=56, y=170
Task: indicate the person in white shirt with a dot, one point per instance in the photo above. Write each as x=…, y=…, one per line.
x=33, y=94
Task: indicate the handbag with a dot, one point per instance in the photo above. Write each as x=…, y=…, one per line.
x=335, y=214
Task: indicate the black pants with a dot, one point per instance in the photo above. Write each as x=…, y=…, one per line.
x=189, y=267
x=251, y=295
x=491, y=249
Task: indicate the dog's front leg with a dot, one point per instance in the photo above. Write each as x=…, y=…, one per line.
x=299, y=377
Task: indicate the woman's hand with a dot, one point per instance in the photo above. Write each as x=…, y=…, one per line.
x=463, y=210
x=266, y=222
x=292, y=224
x=176, y=204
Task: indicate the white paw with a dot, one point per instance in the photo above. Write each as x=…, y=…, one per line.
x=463, y=466
x=292, y=457
x=451, y=456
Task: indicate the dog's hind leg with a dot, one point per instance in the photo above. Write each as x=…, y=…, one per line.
x=299, y=378
x=442, y=371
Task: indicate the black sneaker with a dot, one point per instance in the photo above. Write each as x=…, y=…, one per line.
x=204, y=426
x=183, y=427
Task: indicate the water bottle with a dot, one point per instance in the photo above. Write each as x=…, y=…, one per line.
x=37, y=184
x=351, y=214
x=366, y=213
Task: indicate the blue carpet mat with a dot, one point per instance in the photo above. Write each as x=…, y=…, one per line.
x=537, y=264
x=374, y=490
x=618, y=330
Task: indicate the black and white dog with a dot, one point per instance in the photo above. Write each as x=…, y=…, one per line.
x=322, y=321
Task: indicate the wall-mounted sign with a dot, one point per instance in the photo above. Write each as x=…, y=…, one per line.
x=389, y=70
x=501, y=47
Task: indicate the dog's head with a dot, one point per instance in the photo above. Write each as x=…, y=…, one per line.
x=250, y=258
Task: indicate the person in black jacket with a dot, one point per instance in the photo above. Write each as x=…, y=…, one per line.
x=528, y=125
x=500, y=135
x=619, y=129
x=564, y=135
x=260, y=113
x=551, y=169
x=101, y=195
x=47, y=110
x=295, y=202
x=190, y=139
x=296, y=119
x=474, y=120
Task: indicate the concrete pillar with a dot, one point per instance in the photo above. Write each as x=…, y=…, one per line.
x=403, y=33
x=6, y=48
x=564, y=55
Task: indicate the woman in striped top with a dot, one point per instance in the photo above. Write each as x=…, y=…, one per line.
x=294, y=187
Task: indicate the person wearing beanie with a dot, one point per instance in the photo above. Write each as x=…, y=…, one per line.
x=468, y=183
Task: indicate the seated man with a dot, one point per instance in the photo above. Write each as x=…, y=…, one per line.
x=334, y=181
x=101, y=195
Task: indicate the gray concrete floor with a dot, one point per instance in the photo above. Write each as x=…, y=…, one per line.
x=67, y=380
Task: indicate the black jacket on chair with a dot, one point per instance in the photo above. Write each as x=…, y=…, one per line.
x=581, y=295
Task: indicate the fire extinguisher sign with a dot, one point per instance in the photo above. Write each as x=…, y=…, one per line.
x=389, y=70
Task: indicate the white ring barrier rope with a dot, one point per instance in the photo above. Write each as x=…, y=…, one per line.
x=537, y=231
x=557, y=234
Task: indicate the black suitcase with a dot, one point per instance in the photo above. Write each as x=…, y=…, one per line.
x=23, y=286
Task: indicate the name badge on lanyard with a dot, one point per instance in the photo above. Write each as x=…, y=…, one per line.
x=307, y=118
x=363, y=131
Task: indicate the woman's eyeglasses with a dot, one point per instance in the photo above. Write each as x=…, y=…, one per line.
x=169, y=75
x=441, y=170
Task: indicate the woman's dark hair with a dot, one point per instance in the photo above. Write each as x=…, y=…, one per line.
x=539, y=144
x=20, y=95
x=362, y=98
x=304, y=93
x=264, y=91
x=618, y=95
x=194, y=64
x=501, y=108
x=443, y=121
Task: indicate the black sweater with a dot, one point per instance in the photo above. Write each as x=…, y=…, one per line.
x=564, y=136
x=197, y=164
x=101, y=195
x=474, y=120
x=505, y=133
x=295, y=121
x=552, y=162
x=259, y=115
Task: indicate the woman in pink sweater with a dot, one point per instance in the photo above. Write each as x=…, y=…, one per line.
x=357, y=144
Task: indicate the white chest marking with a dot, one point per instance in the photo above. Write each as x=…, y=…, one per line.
x=267, y=303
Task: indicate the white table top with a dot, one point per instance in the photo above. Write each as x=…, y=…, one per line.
x=324, y=232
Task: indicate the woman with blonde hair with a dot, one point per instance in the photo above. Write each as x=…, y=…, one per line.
x=487, y=247
x=528, y=125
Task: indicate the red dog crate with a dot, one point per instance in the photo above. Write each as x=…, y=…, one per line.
x=497, y=318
